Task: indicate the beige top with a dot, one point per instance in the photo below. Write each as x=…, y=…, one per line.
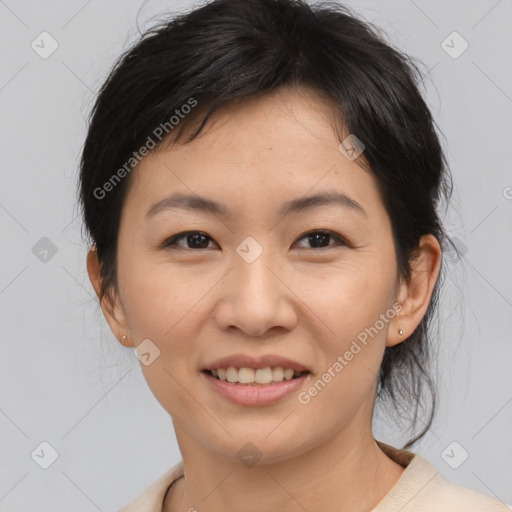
x=420, y=488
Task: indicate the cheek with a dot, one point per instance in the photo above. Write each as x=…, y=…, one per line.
x=160, y=300
x=346, y=298
x=349, y=307
x=163, y=308
x=167, y=306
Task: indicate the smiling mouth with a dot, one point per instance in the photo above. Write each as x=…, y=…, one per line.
x=255, y=377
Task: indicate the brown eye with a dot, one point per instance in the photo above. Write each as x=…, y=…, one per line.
x=193, y=240
x=320, y=239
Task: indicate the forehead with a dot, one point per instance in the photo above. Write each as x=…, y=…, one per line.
x=262, y=151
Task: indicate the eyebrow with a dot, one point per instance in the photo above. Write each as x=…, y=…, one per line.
x=198, y=203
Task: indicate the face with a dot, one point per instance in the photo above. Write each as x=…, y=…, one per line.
x=255, y=280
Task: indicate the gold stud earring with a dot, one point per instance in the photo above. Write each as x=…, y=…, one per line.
x=400, y=330
x=124, y=336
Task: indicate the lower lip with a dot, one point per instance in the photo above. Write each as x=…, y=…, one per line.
x=255, y=394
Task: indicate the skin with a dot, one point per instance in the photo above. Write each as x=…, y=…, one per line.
x=297, y=300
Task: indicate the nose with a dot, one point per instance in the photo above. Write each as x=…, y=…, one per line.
x=255, y=299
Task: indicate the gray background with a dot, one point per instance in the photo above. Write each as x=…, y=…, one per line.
x=67, y=381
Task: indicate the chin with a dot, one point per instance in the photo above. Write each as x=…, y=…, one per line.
x=261, y=448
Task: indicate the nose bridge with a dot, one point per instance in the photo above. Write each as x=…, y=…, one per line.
x=253, y=277
x=255, y=299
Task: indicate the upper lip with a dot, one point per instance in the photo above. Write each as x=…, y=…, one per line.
x=246, y=361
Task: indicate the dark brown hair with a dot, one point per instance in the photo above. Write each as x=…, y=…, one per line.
x=229, y=50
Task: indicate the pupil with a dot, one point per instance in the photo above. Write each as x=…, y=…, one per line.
x=192, y=238
x=319, y=236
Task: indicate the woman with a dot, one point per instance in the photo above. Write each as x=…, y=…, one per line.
x=260, y=181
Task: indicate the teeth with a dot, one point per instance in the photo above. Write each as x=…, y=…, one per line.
x=262, y=375
x=231, y=374
x=245, y=375
x=255, y=376
x=277, y=374
x=288, y=374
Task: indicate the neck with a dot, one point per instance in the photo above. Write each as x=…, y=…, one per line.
x=347, y=473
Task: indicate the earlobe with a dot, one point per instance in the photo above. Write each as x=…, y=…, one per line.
x=397, y=333
x=113, y=312
x=126, y=341
x=416, y=294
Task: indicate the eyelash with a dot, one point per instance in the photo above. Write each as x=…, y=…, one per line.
x=170, y=243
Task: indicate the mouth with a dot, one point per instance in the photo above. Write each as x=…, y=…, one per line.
x=255, y=387
x=246, y=376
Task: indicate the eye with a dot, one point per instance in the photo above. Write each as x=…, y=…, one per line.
x=321, y=237
x=193, y=240
x=200, y=240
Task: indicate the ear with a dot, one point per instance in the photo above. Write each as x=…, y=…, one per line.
x=110, y=303
x=416, y=294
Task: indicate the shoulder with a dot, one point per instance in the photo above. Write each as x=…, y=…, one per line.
x=151, y=500
x=442, y=494
x=422, y=489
